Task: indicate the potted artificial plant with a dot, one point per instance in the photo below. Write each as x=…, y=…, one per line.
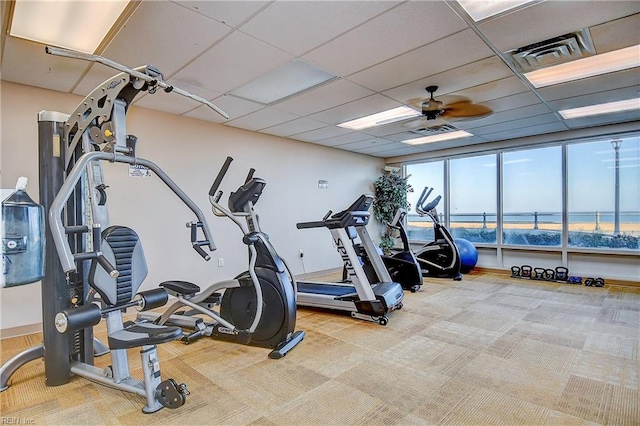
x=390, y=195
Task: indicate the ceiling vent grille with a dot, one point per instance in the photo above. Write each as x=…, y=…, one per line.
x=554, y=51
x=435, y=130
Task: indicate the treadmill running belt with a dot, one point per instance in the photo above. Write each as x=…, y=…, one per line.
x=328, y=289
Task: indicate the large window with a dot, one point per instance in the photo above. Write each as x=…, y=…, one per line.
x=604, y=193
x=421, y=176
x=579, y=195
x=473, y=203
x=532, y=197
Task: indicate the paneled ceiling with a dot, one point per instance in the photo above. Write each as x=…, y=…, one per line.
x=383, y=54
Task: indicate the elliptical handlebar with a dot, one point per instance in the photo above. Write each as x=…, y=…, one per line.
x=421, y=207
x=218, y=180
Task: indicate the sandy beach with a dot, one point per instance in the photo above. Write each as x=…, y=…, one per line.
x=605, y=228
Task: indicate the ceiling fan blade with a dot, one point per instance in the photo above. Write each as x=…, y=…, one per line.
x=466, y=109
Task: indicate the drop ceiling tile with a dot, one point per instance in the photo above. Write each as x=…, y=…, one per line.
x=393, y=128
x=400, y=150
x=435, y=146
x=494, y=90
x=507, y=116
x=262, y=119
x=233, y=106
x=447, y=53
x=234, y=61
x=26, y=62
x=344, y=139
x=549, y=19
x=318, y=135
x=155, y=35
x=451, y=81
x=378, y=147
x=597, y=84
x=512, y=102
x=522, y=132
x=293, y=127
x=422, y=22
x=356, y=109
x=231, y=13
x=329, y=95
x=616, y=34
x=595, y=98
x=304, y=25
x=367, y=143
x=515, y=125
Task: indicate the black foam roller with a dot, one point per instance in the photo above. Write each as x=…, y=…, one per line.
x=153, y=298
x=74, y=319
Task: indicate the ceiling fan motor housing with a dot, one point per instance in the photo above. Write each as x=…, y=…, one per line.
x=431, y=108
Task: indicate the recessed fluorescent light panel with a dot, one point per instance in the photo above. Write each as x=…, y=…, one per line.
x=616, y=60
x=600, y=109
x=482, y=9
x=77, y=25
x=438, y=138
x=283, y=82
x=381, y=118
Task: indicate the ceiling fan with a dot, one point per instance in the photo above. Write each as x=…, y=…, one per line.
x=433, y=109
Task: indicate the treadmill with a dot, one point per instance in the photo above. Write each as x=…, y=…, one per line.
x=356, y=294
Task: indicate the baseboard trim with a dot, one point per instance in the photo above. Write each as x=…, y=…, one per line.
x=6, y=333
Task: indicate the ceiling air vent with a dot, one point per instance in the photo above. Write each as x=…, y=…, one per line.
x=554, y=51
x=435, y=130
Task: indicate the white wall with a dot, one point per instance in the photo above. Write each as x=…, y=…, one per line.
x=191, y=152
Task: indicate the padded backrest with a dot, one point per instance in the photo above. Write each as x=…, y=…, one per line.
x=123, y=249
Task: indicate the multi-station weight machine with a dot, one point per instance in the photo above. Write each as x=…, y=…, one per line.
x=88, y=261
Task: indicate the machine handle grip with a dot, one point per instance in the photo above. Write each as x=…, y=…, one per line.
x=152, y=80
x=307, y=225
x=250, y=175
x=107, y=266
x=201, y=252
x=326, y=216
x=423, y=197
x=221, y=173
x=432, y=205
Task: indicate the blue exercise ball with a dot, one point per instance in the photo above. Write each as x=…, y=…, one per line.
x=468, y=254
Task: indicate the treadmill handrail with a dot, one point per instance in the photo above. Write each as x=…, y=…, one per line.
x=339, y=220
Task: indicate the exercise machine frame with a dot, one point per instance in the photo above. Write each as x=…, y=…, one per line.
x=71, y=185
x=439, y=258
x=267, y=284
x=357, y=295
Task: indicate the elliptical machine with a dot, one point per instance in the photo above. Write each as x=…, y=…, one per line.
x=258, y=307
x=439, y=258
x=402, y=265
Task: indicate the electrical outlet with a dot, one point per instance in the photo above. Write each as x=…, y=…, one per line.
x=301, y=253
x=220, y=262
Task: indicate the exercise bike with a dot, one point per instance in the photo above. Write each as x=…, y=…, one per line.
x=439, y=258
x=402, y=265
x=257, y=307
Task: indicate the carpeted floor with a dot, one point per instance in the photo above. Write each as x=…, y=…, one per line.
x=487, y=350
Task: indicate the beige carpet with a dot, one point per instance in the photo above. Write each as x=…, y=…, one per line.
x=489, y=350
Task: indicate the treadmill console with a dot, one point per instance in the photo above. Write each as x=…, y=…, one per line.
x=357, y=214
